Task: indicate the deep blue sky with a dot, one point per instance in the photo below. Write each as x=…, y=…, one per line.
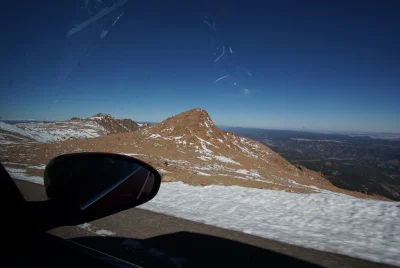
x=322, y=65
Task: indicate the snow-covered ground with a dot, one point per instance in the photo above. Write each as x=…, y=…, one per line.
x=51, y=132
x=66, y=129
x=361, y=228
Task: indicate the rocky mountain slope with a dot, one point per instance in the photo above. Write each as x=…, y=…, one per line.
x=187, y=147
x=110, y=124
x=76, y=128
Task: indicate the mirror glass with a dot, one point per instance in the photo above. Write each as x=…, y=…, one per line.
x=100, y=183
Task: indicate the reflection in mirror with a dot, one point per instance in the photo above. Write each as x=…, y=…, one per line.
x=99, y=183
x=135, y=186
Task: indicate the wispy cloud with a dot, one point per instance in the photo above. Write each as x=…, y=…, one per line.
x=221, y=78
x=117, y=19
x=103, y=34
x=212, y=26
x=223, y=52
x=246, y=91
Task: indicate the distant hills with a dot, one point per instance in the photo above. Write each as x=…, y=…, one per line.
x=76, y=128
x=16, y=121
x=357, y=163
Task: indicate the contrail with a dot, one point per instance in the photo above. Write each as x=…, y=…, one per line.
x=213, y=27
x=221, y=78
x=223, y=52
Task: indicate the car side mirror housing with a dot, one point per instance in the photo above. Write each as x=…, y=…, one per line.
x=89, y=186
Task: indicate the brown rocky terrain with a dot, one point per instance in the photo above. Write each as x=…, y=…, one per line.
x=187, y=147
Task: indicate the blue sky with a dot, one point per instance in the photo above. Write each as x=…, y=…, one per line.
x=322, y=65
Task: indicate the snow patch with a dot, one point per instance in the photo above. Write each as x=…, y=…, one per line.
x=202, y=173
x=244, y=149
x=162, y=170
x=38, y=167
x=15, y=170
x=207, y=142
x=155, y=136
x=103, y=232
x=86, y=226
x=247, y=172
x=90, y=228
x=205, y=158
x=132, y=154
x=205, y=150
x=207, y=153
x=226, y=160
x=4, y=142
x=124, y=126
x=167, y=129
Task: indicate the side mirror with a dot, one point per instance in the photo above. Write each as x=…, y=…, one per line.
x=93, y=185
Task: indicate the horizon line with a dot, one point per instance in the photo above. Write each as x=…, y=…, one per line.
x=347, y=132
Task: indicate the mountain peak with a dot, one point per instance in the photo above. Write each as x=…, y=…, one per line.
x=193, y=124
x=197, y=115
x=110, y=124
x=98, y=116
x=101, y=116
